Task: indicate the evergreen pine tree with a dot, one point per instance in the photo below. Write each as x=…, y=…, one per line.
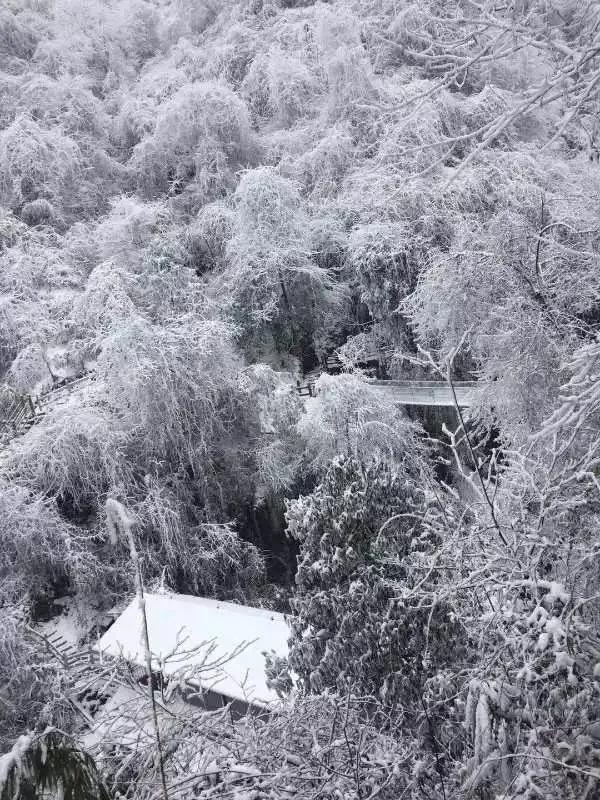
x=351, y=630
x=49, y=765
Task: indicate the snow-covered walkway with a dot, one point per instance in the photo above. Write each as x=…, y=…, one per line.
x=428, y=393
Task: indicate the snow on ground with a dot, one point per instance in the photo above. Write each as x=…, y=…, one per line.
x=74, y=620
x=218, y=645
x=66, y=624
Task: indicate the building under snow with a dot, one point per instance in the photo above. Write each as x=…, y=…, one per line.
x=211, y=649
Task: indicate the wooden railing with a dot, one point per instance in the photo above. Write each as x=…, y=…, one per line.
x=18, y=412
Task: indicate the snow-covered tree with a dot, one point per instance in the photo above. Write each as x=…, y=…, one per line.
x=38, y=547
x=200, y=202
x=201, y=134
x=46, y=762
x=350, y=630
x=37, y=163
x=270, y=275
x=348, y=416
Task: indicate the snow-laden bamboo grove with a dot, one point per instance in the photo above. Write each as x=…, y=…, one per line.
x=201, y=201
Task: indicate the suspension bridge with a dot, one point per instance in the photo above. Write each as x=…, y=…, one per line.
x=406, y=392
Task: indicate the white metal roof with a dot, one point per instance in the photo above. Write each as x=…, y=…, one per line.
x=182, y=629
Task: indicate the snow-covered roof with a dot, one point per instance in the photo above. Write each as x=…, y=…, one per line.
x=183, y=629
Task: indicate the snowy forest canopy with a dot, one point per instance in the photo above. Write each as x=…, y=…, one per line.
x=202, y=202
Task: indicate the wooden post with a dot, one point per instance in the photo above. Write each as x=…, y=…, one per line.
x=147, y=654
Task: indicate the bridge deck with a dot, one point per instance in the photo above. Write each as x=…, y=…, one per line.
x=413, y=393
x=428, y=393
